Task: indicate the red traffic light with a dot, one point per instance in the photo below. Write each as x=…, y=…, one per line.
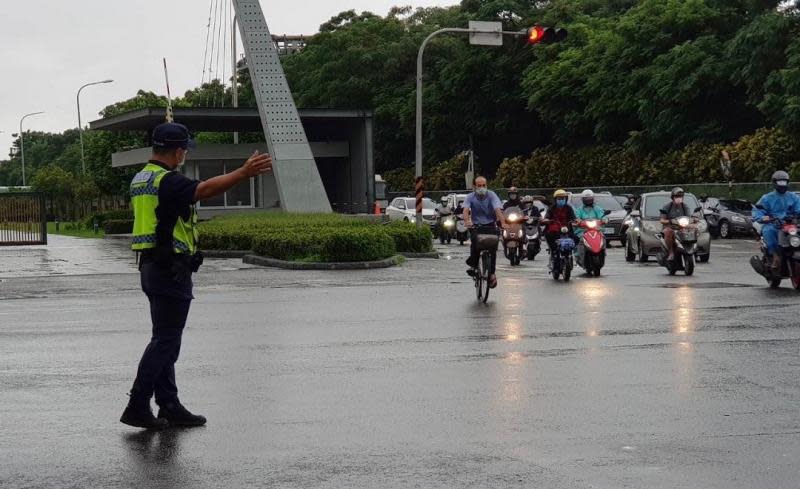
x=545, y=35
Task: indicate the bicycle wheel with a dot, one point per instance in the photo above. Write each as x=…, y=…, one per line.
x=485, y=267
x=478, y=278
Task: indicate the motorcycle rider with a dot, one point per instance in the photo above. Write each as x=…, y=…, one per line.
x=586, y=212
x=482, y=211
x=561, y=214
x=513, y=199
x=776, y=205
x=675, y=209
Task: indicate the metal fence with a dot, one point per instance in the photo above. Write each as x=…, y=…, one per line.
x=749, y=191
x=22, y=219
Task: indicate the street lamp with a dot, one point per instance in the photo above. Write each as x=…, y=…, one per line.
x=22, y=142
x=80, y=125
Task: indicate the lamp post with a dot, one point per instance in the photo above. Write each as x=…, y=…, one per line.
x=80, y=125
x=22, y=143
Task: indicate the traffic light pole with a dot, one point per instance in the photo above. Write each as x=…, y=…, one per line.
x=419, y=185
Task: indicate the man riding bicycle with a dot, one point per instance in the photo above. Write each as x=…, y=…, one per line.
x=482, y=211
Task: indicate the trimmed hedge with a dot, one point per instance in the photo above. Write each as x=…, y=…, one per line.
x=312, y=237
x=118, y=226
x=102, y=217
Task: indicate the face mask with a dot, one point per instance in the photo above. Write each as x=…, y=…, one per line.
x=781, y=186
x=481, y=191
x=561, y=203
x=512, y=196
x=678, y=200
x=588, y=202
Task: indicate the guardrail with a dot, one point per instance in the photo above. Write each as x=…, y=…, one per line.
x=23, y=219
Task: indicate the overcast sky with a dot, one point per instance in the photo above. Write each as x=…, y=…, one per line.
x=49, y=48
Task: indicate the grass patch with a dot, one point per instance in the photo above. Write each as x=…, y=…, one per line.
x=74, y=229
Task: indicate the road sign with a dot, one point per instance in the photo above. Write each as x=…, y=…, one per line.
x=485, y=33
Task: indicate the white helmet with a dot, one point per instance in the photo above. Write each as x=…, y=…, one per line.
x=587, y=193
x=587, y=197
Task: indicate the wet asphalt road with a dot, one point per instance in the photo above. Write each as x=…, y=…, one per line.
x=398, y=378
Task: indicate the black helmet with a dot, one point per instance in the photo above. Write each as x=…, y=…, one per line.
x=676, y=192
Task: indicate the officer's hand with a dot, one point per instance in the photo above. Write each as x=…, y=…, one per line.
x=766, y=219
x=257, y=165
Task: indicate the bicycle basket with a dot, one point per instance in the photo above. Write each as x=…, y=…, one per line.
x=487, y=242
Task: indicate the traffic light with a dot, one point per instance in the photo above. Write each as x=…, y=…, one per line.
x=545, y=35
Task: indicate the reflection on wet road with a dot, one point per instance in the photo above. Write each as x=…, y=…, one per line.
x=399, y=378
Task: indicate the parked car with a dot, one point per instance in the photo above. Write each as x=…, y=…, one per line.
x=644, y=224
x=730, y=217
x=404, y=209
x=611, y=230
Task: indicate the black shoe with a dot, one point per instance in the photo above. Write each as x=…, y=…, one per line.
x=142, y=417
x=177, y=415
x=472, y=272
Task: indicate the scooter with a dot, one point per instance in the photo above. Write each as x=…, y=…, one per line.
x=685, y=246
x=445, y=225
x=514, y=237
x=591, y=252
x=561, y=258
x=533, y=234
x=461, y=230
x=789, y=241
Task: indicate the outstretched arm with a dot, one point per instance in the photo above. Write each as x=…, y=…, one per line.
x=254, y=166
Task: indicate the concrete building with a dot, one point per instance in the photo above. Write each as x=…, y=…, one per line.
x=340, y=140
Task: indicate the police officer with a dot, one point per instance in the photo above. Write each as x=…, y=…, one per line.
x=165, y=234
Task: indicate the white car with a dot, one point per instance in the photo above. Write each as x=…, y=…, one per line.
x=404, y=209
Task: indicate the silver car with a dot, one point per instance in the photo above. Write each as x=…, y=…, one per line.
x=404, y=209
x=643, y=225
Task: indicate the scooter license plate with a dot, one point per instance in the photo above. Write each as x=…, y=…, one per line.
x=608, y=230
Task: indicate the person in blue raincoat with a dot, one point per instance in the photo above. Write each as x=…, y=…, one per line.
x=772, y=206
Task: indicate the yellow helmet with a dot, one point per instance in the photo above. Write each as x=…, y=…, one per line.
x=559, y=193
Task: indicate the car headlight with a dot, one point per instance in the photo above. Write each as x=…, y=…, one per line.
x=627, y=222
x=795, y=241
x=412, y=219
x=736, y=218
x=793, y=232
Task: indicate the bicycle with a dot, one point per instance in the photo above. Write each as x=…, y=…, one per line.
x=486, y=244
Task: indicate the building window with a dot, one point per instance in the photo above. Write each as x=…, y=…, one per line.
x=241, y=195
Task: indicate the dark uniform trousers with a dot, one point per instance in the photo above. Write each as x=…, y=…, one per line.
x=170, y=295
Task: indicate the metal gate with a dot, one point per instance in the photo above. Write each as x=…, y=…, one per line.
x=23, y=219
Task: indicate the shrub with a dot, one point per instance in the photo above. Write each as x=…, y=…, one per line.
x=102, y=217
x=312, y=237
x=366, y=244
x=118, y=226
x=410, y=239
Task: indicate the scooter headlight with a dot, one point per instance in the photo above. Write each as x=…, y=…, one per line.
x=448, y=223
x=795, y=241
x=513, y=217
x=591, y=224
x=564, y=230
x=683, y=222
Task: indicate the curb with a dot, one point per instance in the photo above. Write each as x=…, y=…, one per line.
x=430, y=254
x=225, y=253
x=296, y=265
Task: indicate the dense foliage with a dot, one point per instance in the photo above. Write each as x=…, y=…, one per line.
x=646, y=82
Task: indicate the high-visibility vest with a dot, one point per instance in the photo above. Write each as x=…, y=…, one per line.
x=144, y=200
